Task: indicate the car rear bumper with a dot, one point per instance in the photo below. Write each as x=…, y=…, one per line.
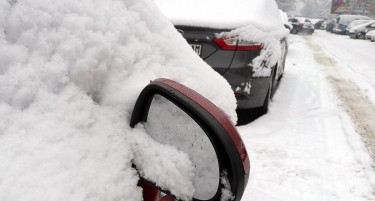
x=352, y=35
x=257, y=96
x=249, y=92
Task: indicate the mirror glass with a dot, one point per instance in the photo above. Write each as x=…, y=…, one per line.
x=168, y=124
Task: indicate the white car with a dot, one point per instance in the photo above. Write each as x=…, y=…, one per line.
x=355, y=23
x=80, y=119
x=359, y=31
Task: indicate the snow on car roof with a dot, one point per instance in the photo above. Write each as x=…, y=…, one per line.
x=346, y=19
x=263, y=14
x=70, y=73
x=362, y=26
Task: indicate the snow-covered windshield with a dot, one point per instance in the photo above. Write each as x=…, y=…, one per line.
x=70, y=73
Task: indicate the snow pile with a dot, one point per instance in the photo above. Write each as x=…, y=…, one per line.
x=70, y=72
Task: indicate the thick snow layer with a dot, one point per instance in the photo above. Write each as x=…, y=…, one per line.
x=361, y=27
x=262, y=14
x=347, y=19
x=70, y=72
x=306, y=147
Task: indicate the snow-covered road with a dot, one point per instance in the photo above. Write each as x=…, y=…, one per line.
x=306, y=147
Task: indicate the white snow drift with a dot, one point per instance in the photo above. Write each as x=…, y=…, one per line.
x=70, y=72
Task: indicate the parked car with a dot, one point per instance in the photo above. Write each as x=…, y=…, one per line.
x=360, y=31
x=301, y=25
x=355, y=23
x=342, y=21
x=80, y=119
x=317, y=23
x=247, y=45
x=370, y=35
x=329, y=25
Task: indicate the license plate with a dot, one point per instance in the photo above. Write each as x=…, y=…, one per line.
x=197, y=48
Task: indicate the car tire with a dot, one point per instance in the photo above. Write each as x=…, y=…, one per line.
x=361, y=36
x=294, y=31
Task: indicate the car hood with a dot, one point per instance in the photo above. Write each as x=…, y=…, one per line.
x=360, y=27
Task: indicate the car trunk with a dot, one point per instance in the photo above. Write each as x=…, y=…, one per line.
x=202, y=42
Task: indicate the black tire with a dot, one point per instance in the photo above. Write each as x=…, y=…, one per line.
x=361, y=36
x=294, y=31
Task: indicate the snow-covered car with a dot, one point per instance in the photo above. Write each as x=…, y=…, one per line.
x=80, y=119
x=342, y=21
x=355, y=23
x=360, y=31
x=245, y=44
x=370, y=35
x=284, y=19
x=329, y=25
x=301, y=25
x=317, y=23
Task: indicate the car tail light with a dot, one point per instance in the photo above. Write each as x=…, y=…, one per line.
x=237, y=95
x=233, y=43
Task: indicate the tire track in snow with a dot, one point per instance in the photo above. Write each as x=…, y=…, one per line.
x=357, y=105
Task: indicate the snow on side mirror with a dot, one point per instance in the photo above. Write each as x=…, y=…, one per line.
x=177, y=116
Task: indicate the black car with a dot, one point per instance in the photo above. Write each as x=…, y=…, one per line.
x=250, y=55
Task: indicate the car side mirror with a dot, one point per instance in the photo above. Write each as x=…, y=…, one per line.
x=177, y=116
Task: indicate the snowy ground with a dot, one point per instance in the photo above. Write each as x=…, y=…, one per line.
x=306, y=147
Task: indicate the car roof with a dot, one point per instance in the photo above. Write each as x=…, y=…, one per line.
x=263, y=14
x=360, y=26
x=346, y=19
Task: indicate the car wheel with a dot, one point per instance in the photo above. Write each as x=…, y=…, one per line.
x=361, y=36
x=294, y=31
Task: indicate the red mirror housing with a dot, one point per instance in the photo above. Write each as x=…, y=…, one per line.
x=231, y=151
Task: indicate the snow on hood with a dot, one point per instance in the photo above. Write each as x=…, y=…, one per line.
x=70, y=73
x=361, y=27
x=262, y=14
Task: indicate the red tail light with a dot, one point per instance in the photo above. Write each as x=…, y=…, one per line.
x=233, y=43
